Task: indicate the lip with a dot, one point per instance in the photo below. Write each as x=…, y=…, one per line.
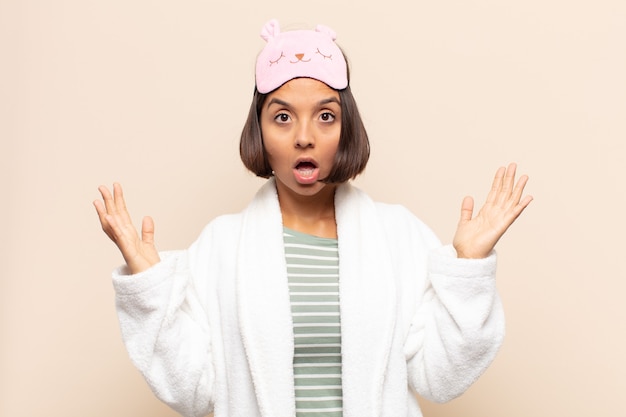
x=306, y=176
x=305, y=159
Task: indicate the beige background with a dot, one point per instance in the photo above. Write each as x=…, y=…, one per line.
x=154, y=93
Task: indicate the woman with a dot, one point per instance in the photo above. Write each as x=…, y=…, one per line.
x=315, y=300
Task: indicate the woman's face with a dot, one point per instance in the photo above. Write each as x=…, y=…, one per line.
x=301, y=125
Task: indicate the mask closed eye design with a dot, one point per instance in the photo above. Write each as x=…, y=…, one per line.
x=299, y=53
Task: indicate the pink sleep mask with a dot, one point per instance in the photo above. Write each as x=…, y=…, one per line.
x=299, y=53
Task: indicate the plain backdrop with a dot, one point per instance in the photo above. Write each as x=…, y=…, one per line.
x=153, y=94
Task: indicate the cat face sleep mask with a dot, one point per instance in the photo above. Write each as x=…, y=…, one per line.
x=299, y=53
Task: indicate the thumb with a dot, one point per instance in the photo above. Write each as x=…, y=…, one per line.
x=147, y=230
x=467, y=209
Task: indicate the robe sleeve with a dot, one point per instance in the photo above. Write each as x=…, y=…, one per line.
x=458, y=323
x=166, y=332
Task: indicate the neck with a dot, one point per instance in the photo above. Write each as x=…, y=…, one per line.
x=311, y=214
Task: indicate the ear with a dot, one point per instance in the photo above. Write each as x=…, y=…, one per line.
x=270, y=30
x=327, y=31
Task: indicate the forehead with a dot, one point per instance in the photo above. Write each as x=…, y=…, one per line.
x=302, y=91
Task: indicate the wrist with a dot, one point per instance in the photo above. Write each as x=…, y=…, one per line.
x=469, y=254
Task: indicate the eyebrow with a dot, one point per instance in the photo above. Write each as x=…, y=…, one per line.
x=319, y=103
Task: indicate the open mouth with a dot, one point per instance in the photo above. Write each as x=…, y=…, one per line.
x=305, y=166
x=306, y=172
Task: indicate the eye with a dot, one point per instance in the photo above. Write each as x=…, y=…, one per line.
x=327, y=117
x=282, y=118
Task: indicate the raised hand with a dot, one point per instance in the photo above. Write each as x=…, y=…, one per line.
x=475, y=237
x=139, y=253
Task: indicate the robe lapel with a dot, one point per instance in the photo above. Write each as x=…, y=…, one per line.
x=367, y=297
x=368, y=304
x=263, y=303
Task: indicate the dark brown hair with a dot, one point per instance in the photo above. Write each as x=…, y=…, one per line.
x=352, y=152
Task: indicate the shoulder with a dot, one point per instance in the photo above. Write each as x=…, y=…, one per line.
x=221, y=232
x=225, y=223
x=222, y=226
x=399, y=211
x=227, y=228
x=400, y=221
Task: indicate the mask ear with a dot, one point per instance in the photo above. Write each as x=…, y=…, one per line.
x=327, y=31
x=270, y=30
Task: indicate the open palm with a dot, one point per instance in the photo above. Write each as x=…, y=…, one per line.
x=476, y=237
x=139, y=253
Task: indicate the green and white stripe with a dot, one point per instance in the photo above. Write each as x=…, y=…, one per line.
x=313, y=273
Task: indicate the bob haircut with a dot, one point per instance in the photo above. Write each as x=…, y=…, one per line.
x=352, y=152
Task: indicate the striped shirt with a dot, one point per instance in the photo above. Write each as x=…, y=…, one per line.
x=313, y=274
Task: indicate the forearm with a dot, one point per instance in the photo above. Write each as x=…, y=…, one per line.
x=458, y=328
x=165, y=331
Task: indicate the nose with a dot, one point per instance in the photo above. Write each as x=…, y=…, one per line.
x=299, y=56
x=304, y=136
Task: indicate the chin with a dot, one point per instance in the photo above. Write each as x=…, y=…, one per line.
x=307, y=190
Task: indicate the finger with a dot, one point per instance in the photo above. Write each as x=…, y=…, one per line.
x=116, y=232
x=516, y=196
x=523, y=204
x=518, y=209
x=526, y=201
x=508, y=182
x=496, y=185
x=101, y=210
x=124, y=237
x=467, y=209
x=120, y=203
x=118, y=194
x=108, y=199
x=147, y=230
